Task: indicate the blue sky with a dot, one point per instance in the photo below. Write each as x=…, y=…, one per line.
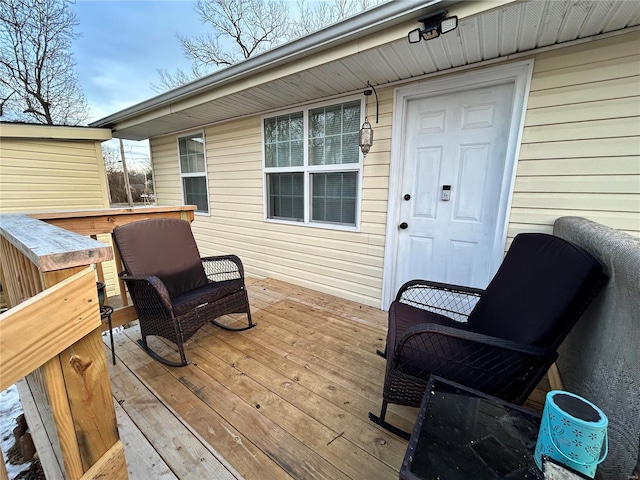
x=123, y=43
x=121, y=46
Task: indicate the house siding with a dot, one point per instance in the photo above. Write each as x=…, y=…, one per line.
x=343, y=263
x=580, y=155
x=45, y=169
x=580, y=152
x=40, y=175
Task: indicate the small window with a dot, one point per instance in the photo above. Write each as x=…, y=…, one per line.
x=317, y=183
x=333, y=134
x=286, y=196
x=193, y=171
x=284, y=141
x=334, y=197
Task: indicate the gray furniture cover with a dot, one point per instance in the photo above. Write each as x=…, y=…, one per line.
x=600, y=358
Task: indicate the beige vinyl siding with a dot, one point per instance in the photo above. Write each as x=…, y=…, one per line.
x=46, y=169
x=580, y=152
x=166, y=171
x=40, y=175
x=580, y=155
x=342, y=263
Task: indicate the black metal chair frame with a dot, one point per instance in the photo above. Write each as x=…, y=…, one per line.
x=503, y=368
x=403, y=387
x=204, y=289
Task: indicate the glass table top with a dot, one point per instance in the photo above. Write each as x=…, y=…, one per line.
x=462, y=434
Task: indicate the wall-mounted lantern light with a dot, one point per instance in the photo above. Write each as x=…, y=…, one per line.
x=434, y=26
x=366, y=132
x=366, y=137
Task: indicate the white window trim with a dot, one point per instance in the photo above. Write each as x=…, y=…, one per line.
x=307, y=169
x=197, y=174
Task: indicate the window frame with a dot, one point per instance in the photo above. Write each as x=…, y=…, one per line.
x=204, y=174
x=306, y=169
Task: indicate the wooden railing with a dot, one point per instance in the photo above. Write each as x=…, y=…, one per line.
x=52, y=331
x=52, y=335
x=92, y=223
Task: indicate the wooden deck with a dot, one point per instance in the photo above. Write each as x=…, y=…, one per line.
x=288, y=399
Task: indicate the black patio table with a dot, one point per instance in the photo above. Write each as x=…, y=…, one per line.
x=462, y=434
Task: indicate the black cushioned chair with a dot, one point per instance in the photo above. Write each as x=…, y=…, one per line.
x=501, y=340
x=174, y=291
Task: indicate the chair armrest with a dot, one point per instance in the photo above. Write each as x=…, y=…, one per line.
x=480, y=338
x=503, y=368
x=147, y=287
x=223, y=267
x=454, y=301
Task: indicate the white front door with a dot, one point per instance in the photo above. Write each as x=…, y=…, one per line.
x=455, y=152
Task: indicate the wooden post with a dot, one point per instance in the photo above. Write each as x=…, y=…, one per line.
x=127, y=186
x=555, y=380
x=3, y=469
x=62, y=322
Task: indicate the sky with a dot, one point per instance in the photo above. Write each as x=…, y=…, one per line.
x=121, y=46
x=123, y=43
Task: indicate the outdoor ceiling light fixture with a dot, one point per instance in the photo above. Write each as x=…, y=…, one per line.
x=366, y=132
x=434, y=26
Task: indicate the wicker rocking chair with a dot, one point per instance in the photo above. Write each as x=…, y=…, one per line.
x=174, y=291
x=500, y=341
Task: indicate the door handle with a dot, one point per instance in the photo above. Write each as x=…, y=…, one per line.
x=403, y=225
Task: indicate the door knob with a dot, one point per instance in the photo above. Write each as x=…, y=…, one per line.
x=403, y=225
x=407, y=196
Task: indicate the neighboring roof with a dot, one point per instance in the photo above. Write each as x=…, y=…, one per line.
x=372, y=46
x=56, y=132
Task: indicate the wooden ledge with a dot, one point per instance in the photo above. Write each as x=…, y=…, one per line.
x=104, y=220
x=49, y=247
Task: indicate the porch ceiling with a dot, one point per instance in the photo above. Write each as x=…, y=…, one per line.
x=512, y=28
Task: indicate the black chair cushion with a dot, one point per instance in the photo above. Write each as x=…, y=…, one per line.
x=402, y=317
x=171, y=255
x=209, y=293
x=536, y=284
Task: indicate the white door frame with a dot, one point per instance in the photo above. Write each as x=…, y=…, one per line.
x=520, y=73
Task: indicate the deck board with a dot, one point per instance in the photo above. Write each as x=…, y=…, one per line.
x=287, y=400
x=295, y=440
x=168, y=434
x=143, y=461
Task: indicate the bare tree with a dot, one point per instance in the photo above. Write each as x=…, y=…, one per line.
x=243, y=28
x=168, y=80
x=38, y=80
x=240, y=29
x=252, y=26
x=140, y=177
x=318, y=15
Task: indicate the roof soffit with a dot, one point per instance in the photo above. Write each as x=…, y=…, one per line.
x=365, y=38
x=386, y=57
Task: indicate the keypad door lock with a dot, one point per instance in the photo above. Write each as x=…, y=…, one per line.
x=446, y=193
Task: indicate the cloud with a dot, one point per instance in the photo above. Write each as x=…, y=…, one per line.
x=121, y=46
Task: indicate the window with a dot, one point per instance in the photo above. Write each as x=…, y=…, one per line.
x=193, y=171
x=312, y=165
